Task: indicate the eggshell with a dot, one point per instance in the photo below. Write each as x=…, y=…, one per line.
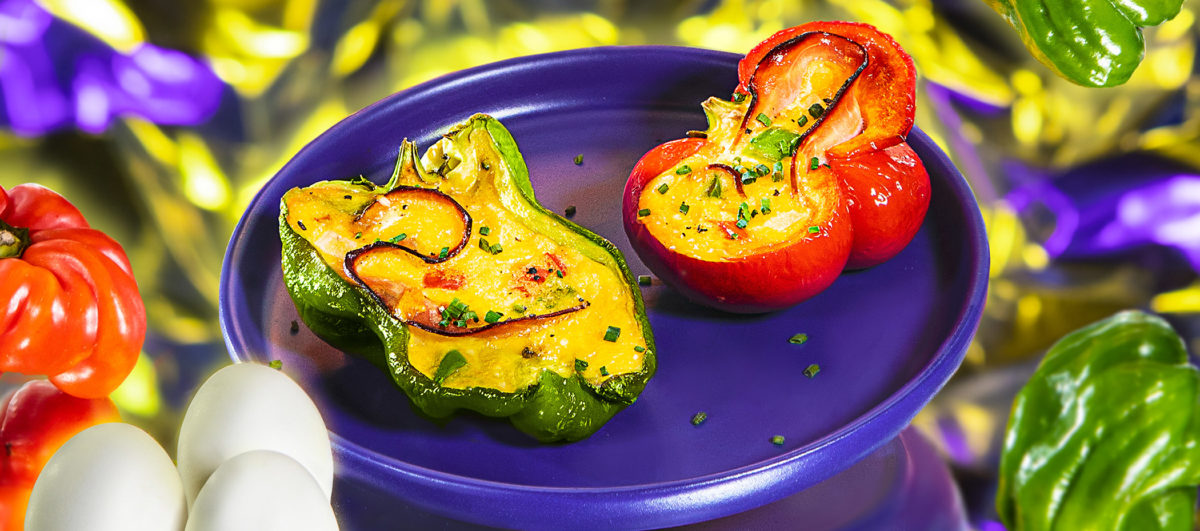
x=244, y=407
x=108, y=477
x=261, y=490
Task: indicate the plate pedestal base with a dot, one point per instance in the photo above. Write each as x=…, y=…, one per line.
x=902, y=485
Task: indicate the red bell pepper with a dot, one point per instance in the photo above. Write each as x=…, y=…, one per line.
x=35, y=420
x=803, y=174
x=71, y=305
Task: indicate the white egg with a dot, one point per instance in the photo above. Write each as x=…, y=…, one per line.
x=244, y=407
x=108, y=477
x=261, y=490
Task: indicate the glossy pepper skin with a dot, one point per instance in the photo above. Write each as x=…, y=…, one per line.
x=869, y=193
x=72, y=307
x=347, y=316
x=35, y=420
x=1106, y=434
x=1096, y=43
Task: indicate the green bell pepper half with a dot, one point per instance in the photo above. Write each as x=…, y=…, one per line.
x=1106, y=434
x=349, y=318
x=1095, y=43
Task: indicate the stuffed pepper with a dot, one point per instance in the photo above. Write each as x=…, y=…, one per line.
x=469, y=292
x=805, y=172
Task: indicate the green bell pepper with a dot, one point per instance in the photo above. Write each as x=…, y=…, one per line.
x=1106, y=433
x=1095, y=43
x=479, y=299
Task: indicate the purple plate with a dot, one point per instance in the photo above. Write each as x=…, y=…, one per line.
x=886, y=339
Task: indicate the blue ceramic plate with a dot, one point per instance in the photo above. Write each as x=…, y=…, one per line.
x=886, y=339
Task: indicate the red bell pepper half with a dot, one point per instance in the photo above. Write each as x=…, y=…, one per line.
x=71, y=306
x=803, y=174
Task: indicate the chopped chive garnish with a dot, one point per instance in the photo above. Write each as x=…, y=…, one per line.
x=778, y=166
x=643, y=212
x=662, y=189
x=812, y=370
x=559, y=273
x=814, y=229
x=612, y=334
x=777, y=440
x=580, y=365
x=732, y=235
x=739, y=168
x=762, y=169
x=643, y=280
x=444, y=252
x=739, y=97
x=749, y=178
x=763, y=119
x=398, y=238
x=816, y=110
x=496, y=249
x=814, y=163
x=519, y=308
x=450, y=363
x=483, y=244
x=485, y=230
x=492, y=316
x=579, y=159
x=639, y=348
x=798, y=339
x=683, y=208
x=357, y=235
x=714, y=187
x=743, y=211
x=683, y=170
x=741, y=223
x=569, y=211
x=276, y=364
x=801, y=121
x=766, y=205
x=603, y=370
x=699, y=418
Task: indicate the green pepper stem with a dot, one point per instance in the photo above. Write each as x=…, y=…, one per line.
x=13, y=240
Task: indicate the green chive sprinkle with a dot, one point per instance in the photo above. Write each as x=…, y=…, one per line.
x=741, y=223
x=643, y=212
x=812, y=370
x=485, y=230
x=766, y=205
x=732, y=235
x=739, y=97
x=483, y=244
x=496, y=249
x=816, y=110
x=801, y=121
x=612, y=334
x=559, y=273
x=450, y=363
x=778, y=166
x=699, y=418
x=683, y=208
x=643, y=280
x=763, y=119
x=762, y=169
x=683, y=170
x=579, y=159
x=444, y=252
x=749, y=178
x=569, y=211
x=519, y=308
x=639, y=348
x=492, y=316
x=580, y=365
x=276, y=364
x=814, y=229
x=814, y=163
x=662, y=189
x=714, y=187
x=743, y=211
x=398, y=238
x=777, y=440
x=798, y=339
x=357, y=235
x=603, y=370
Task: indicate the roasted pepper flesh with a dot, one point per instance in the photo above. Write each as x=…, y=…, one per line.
x=483, y=293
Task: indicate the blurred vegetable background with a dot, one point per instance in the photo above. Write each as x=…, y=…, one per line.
x=161, y=119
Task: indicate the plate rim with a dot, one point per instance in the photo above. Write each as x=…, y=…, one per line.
x=677, y=497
